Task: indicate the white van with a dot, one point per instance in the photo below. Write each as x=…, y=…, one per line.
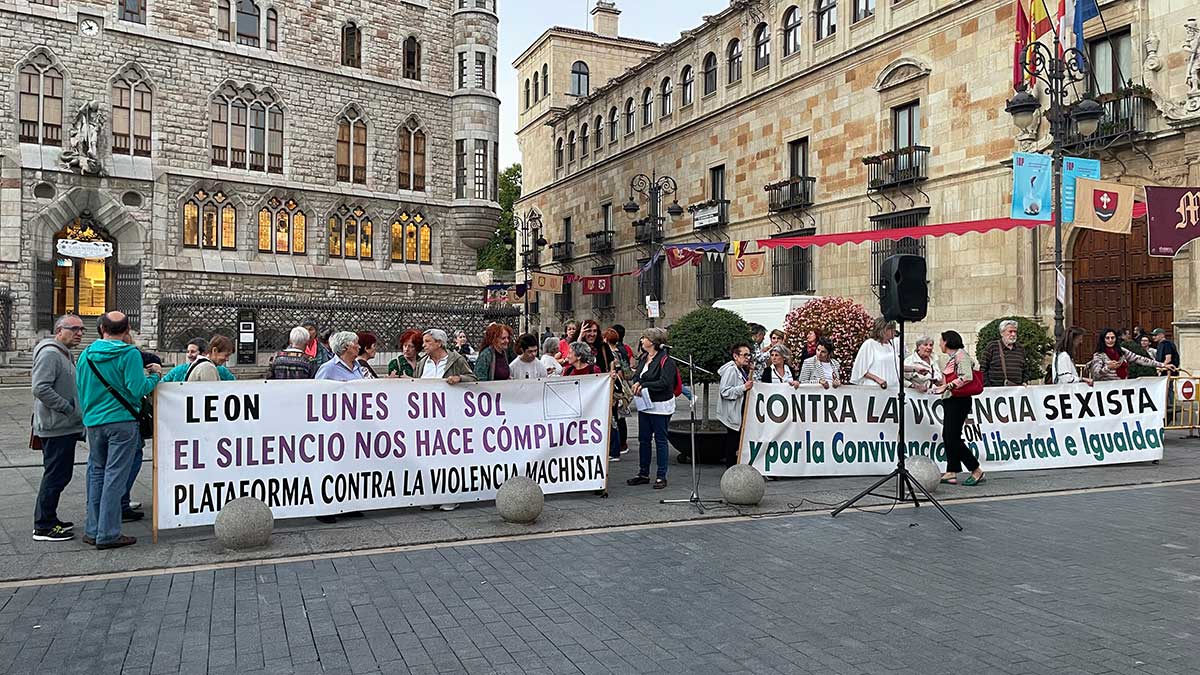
x=770, y=311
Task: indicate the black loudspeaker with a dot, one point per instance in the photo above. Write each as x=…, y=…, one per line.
x=903, y=289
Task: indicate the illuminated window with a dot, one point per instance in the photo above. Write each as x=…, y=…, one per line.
x=281, y=227
x=350, y=231
x=209, y=221
x=412, y=240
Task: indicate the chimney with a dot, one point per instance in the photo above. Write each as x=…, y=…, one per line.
x=605, y=17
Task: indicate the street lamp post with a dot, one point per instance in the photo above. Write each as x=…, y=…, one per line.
x=525, y=241
x=655, y=187
x=1056, y=73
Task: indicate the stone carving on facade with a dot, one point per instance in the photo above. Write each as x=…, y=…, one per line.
x=1152, y=63
x=1186, y=110
x=1029, y=138
x=82, y=153
x=900, y=71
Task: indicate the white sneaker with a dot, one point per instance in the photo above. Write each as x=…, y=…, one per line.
x=135, y=505
x=448, y=507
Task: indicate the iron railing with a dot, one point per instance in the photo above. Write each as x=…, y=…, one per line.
x=1124, y=116
x=600, y=242
x=882, y=250
x=6, y=322
x=792, y=270
x=902, y=166
x=181, y=319
x=560, y=251
x=644, y=233
x=791, y=193
x=710, y=281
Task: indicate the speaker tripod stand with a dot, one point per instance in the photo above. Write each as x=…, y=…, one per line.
x=695, y=499
x=907, y=487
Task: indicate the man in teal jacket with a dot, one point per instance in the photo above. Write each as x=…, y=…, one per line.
x=112, y=430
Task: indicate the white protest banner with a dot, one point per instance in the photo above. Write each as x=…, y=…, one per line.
x=852, y=431
x=309, y=448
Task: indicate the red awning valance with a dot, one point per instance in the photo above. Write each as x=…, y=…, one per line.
x=863, y=236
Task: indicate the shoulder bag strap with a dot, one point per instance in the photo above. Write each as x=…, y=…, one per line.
x=193, y=365
x=121, y=399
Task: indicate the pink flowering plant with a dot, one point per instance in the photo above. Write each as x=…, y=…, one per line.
x=845, y=322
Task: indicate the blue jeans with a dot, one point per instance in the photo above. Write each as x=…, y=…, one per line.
x=656, y=426
x=58, y=462
x=135, y=467
x=113, y=448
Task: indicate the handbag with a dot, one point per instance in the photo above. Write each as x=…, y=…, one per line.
x=144, y=417
x=972, y=388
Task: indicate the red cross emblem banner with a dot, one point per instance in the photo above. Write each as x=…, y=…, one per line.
x=1104, y=206
x=1172, y=218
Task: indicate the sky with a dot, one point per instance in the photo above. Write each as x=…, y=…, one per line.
x=522, y=21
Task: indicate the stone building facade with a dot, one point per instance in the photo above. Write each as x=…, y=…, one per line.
x=243, y=150
x=780, y=118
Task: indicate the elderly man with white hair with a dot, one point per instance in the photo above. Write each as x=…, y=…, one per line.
x=1003, y=362
x=441, y=363
x=344, y=365
x=292, y=363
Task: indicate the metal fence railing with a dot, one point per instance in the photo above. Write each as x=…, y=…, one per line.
x=6, y=322
x=1183, y=403
x=179, y=319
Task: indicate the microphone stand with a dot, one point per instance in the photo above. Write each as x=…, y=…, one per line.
x=695, y=499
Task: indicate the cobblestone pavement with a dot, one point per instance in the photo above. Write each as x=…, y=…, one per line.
x=22, y=558
x=1088, y=583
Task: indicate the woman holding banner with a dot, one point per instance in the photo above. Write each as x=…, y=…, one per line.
x=495, y=354
x=1111, y=360
x=405, y=365
x=822, y=368
x=778, y=371
x=959, y=374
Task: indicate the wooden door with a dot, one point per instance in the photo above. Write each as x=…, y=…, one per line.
x=1117, y=285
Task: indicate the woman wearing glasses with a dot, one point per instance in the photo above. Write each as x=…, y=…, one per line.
x=736, y=380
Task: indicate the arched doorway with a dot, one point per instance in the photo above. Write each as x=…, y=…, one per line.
x=1118, y=285
x=84, y=271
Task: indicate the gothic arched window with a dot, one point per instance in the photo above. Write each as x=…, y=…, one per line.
x=132, y=102
x=352, y=147
x=210, y=221
x=412, y=156
x=350, y=231
x=247, y=129
x=412, y=239
x=281, y=227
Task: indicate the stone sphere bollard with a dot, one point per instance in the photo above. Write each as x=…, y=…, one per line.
x=244, y=523
x=924, y=471
x=520, y=500
x=743, y=485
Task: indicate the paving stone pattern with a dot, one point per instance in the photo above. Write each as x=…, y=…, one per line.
x=1091, y=583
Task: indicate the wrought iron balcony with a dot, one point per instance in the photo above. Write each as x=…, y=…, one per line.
x=560, y=251
x=791, y=193
x=600, y=242
x=894, y=168
x=710, y=215
x=533, y=258
x=644, y=233
x=1126, y=115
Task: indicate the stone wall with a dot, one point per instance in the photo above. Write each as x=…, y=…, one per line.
x=182, y=58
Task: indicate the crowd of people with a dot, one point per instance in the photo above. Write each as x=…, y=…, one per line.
x=100, y=396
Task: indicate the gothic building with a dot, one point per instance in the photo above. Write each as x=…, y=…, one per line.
x=242, y=152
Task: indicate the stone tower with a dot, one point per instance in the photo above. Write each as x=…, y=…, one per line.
x=475, y=121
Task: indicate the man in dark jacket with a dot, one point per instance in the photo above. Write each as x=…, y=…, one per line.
x=1003, y=362
x=57, y=422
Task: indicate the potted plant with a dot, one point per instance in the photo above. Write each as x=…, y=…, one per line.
x=845, y=322
x=707, y=334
